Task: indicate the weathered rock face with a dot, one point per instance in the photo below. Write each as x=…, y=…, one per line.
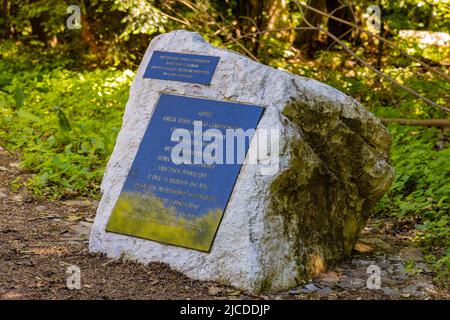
x=277, y=229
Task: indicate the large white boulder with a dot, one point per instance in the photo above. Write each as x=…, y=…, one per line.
x=277, y=229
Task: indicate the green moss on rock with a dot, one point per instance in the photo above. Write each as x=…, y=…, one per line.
x=334, y=178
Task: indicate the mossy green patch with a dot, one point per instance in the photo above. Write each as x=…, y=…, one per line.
x=326, y=195
x=146, y=216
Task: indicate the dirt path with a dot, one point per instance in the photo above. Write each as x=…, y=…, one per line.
x=40, y=240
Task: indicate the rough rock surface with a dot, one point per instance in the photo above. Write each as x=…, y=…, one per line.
x=277, y=229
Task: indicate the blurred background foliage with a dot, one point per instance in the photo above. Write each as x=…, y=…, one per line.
x=63, y=92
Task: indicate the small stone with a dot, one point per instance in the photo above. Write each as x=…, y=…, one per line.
x=384, y=264
x=310, y=287
x=17, y=198
x=12, y=296
x=74, y=218
x=154, y=282
x=358, y=283
x=396, y=268
x=77, y=203
x=398, y=273
x=371, y=229
x=3, y=169
x=325, y=291
x=395, y=258
x=14, y=164
x=377, y=242
x=329, y=278
x=422, y=266
x=361, y=262
x=214, y=291
x=349, y=283
x=345, y=283
x=389, y=281
x=411, y=254
x=363, y=248
x=402, y=277
x=411, y=289
x=417, y=289
x=3, y=195
x=82, y=228
x=40, y=208
x=295, y=292
x=390, y=292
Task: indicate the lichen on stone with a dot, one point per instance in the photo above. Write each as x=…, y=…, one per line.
x=326, y=195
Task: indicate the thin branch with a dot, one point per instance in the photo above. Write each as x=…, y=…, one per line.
x=251, y=55
x=251, y=34
x=418, y=95
x=381, y=73
x=380, y=38
x=185, y=22
x=189, y=5
x=340, y=37
x=337, y=40
x=424, y=123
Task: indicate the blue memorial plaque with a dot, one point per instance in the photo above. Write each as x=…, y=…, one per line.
x=184, y=67
x=182, y=204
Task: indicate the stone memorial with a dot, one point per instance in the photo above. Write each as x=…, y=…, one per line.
x=233, y=171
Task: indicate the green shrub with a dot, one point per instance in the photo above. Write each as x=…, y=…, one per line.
x=421, y=190
x=63, y=123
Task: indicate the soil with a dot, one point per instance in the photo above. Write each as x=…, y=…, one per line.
x=40, y=240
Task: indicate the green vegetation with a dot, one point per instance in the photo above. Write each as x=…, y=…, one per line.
x=63, y=123
x=63, y=92
x=421, y=191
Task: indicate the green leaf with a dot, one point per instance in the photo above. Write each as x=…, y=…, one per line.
x=62, y=119
x=19, y=96
x=28, y=116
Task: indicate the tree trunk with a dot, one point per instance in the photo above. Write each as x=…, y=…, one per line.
x=249, y=16
x=38, y=29
x=309, y=39
x=86, y=33
x=277, y=17
x=5, y=28
x=342, y=10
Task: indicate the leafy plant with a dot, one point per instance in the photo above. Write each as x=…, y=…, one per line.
x=65, y=127
x=421, y=190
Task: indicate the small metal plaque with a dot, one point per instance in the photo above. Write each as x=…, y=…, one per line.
x=183, y=67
